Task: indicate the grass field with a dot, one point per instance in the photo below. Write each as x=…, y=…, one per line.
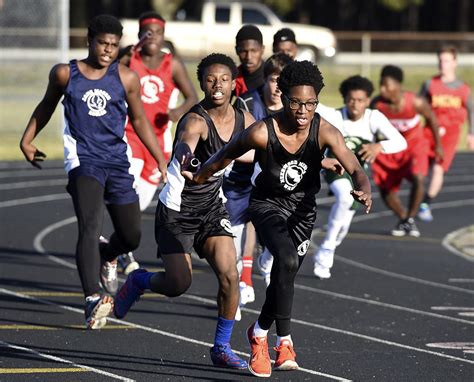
x=22, y=86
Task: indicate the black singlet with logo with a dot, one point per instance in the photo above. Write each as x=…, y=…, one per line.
x=288, y=180
x=179, y=192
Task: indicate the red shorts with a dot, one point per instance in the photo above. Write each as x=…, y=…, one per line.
x=389, y=170
x=150, y=171
x=449, y=142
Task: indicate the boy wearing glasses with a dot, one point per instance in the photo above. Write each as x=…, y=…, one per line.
x=288, y=158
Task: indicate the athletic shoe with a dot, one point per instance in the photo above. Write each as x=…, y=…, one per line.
x=128, y=263
x=323, y=261
x=259, y=363
x=424, y=213
x=223, y=356
x=285, y=356
x=321, y=271
x=247, y=293
x=400, y=229
x=108, y=270
x=264, y=264
x=128, y=294
x=96, y=312
x=411, y=228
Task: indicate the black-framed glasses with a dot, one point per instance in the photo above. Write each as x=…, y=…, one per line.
x=295, y=105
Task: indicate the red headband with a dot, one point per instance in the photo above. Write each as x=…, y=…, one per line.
x=152, y=20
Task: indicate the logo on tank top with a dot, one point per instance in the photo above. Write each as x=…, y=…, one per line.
x=225, y=223
x=303, y=248
x=292, y=173
x=96, y=100
x=151, y=87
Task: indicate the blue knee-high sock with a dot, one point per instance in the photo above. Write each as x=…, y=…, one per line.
x=223, y=331
x=143, y=279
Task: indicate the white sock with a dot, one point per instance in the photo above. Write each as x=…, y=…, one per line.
x=288, y=337
x=92, y=298
x=258, y=331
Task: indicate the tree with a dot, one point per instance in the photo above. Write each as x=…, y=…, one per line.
x=411, y=6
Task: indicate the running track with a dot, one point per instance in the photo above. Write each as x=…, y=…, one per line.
x=394, y=310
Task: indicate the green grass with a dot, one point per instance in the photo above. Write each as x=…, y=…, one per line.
x=22, y=86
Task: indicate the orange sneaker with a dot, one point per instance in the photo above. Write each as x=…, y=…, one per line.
x=259, y=363
x=285, y=356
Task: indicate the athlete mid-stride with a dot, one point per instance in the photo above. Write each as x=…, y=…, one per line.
x=288, y=158
x=191, y=215
x=97, y=92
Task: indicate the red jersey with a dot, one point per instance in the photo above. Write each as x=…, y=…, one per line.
x=240, y=85
x=449, y=103
x=158, y=94
x=407, y=120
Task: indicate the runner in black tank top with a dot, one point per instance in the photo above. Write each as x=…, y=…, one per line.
x=193, y=215
x=288, y=158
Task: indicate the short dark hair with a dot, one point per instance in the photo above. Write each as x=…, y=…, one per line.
x=356, y=83
x=448, y=49
x=275, y=64
x=392, y=71
x=150, y=15
x=249, y=32
x=300, y=73
x=216, y=58
x=104, y=24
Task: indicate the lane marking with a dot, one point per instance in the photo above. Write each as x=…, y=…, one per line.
x=34, y=183
x=347, y=332
x=382, y=304
x=41, y=370
x=403, y=277
x=63, y=360
x=452, y=308
x=447, y=244
x=435, y=206
x=461, y=280
x=61, y=327
x=149, y=329
x=74, y=294
x=32, y=173
x=33, y=199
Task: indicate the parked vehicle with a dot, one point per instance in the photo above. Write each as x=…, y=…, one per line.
x=215, y=27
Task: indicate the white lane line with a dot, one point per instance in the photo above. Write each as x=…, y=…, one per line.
x=446, y=243
x=33, y=183
x=345, y=332
x=461, y=280
x=452, y=308
x=437, y=206
x=403, y=277
x=466, y=314
x=153, y=330
x=32, y=173
x=33, y=199
x=382, y=304
x=62, y=360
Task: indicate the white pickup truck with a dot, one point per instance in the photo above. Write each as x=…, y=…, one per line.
x=219, y=23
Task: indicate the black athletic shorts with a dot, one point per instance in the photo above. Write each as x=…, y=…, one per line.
x=299, y=223
x=179, y=232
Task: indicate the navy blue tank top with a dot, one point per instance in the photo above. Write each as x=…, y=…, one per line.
x=287, y=178
x=95, y=113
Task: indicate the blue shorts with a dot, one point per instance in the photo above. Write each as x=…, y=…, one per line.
x=117, y=183
x=237, y=203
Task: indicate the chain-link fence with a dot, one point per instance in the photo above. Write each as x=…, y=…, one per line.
x=34, y=35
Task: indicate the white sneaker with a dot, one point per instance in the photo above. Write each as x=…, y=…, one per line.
x=247, y=293
x=323, y=262
x=264, y=264
x=424, y=213
x=321, y=271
